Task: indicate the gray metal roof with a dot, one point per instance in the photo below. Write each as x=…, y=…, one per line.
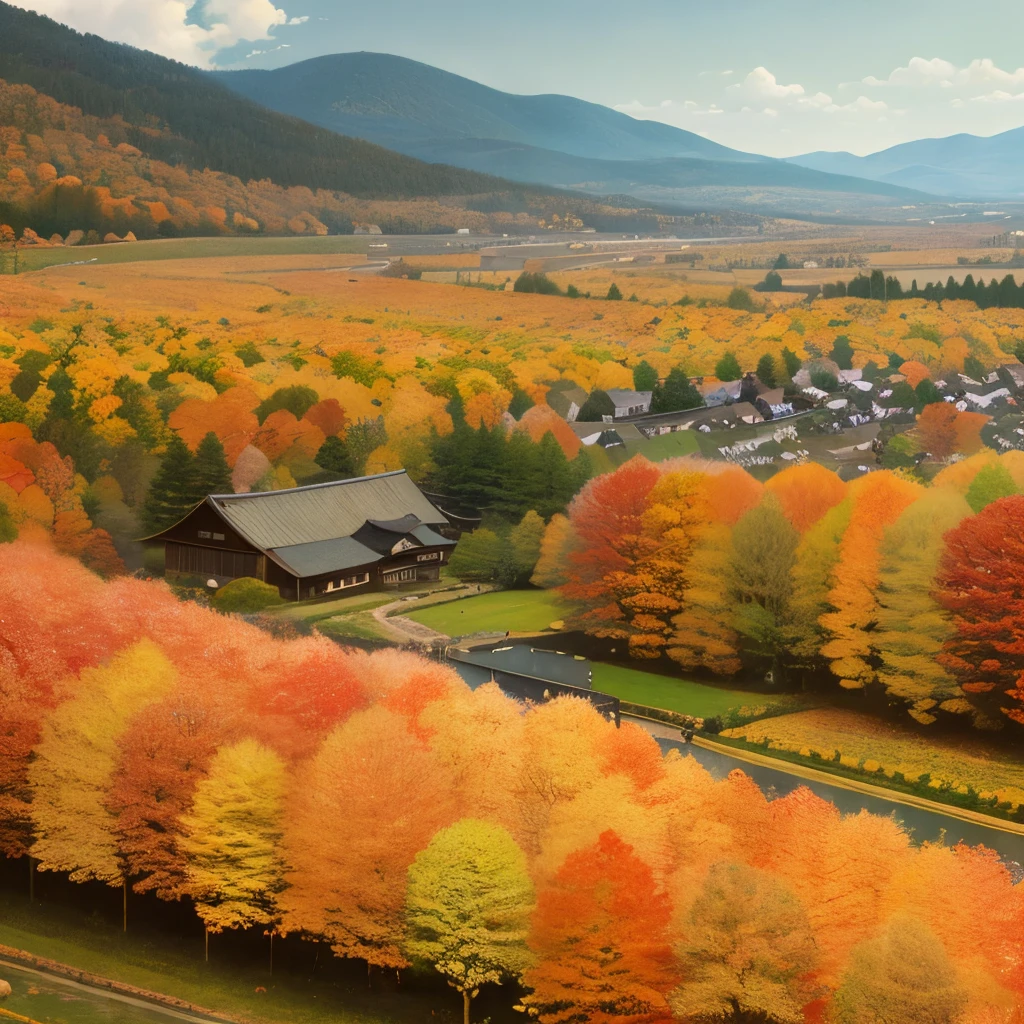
x=426, y=536
x=323, y=512
x=323, y=556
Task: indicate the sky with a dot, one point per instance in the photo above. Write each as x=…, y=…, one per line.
x=779, y=77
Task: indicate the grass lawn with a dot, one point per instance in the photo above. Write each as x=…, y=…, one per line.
x=522, y=611
x=658, y=691
x=665, y=446
x=309, y=985
x=353, y=626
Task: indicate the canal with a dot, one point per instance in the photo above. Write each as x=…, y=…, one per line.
x=47, y=1000
x=923, y=825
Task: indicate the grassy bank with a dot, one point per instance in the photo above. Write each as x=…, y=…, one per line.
x=319, y=991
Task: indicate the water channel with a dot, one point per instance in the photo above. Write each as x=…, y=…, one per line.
x=52, y=1001
x=923, y=825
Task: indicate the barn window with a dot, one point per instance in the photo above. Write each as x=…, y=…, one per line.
x=218, y=536
x=204, y=534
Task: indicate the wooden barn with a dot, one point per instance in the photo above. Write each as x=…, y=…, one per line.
x=335, y=538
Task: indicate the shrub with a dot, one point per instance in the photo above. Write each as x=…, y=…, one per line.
x=246, y=595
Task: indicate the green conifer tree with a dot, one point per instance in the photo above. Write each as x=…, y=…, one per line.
x=174, y=490
x=211, y=466
x=334, y=456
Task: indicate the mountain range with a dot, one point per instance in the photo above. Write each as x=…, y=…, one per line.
x=967, y=166
x=554, y=140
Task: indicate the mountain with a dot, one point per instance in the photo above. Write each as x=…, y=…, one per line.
x=209, y=125
x=405, y=105
x=967, y=166
x=552, y=140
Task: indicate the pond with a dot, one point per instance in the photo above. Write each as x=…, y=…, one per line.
x=54, y=1001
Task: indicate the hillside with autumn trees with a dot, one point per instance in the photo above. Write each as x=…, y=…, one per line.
x=101, y=137
x=155, y=744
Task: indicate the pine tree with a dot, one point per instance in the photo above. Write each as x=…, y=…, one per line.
x=645, y=376
x=728, y=368
x=333, y=456
x=765, y=371
x=614, y=294
x=213, y=476
x=175, y=489
x=468, y=907
x=676, y=394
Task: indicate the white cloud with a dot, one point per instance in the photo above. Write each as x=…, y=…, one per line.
x=918, y=71
x=761, y=84
x=164, y=26
x=298, y=21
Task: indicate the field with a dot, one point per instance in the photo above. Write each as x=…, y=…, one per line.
x=877, y=747
x=521, y=611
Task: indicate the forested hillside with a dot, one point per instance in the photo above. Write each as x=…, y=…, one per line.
x=176, y=114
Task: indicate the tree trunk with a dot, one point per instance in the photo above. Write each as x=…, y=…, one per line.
x=466, y=997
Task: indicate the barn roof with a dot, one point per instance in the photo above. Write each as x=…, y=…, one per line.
x=324, y=512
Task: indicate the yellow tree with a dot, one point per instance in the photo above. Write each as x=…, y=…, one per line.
x=912, y=625
x=76, y=758
x=816, y=556
x=232, y=838
x=878, y=501
x=555, y=545
x=702, y=633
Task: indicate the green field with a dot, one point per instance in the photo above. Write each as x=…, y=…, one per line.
x=231, y=981
x=522, y=611
x=668, y=693
x=193, y=248
x=665, y=446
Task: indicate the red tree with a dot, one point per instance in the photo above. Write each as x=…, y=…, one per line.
x=601, y=937
x=981, y=580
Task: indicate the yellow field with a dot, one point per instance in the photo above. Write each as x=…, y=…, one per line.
x=936, y=257
x=867, y=743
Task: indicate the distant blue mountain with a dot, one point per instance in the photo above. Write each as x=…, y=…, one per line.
x=440, y=117
x=966, y=166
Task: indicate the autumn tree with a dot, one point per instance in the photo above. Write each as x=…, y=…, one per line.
x=468, y=907
x=75, y=761
x=555, y=545
x=600, y=936
x=607, y=520
x=912, y=625
x=703, y=633
x=903, y=974
x=525, y=540
x=232, y=838
x=991, y=483
x=347, y=881
x=816, y=557
x=479, y=555
x=942, y=430
x=980, y=582
x=878, y=500
x=747, y=952
x=764, y=553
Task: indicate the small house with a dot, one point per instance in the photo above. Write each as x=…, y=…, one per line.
x=630, y=403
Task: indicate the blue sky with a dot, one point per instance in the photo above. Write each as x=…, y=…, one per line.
x=780, y=77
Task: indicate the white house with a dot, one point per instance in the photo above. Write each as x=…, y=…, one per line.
x=630, y=403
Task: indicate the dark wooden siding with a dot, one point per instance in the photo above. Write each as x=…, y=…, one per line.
x=203, y=527
x=195, y=560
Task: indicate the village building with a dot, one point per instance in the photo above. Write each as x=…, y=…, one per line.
x=368, y=533
x=629, y=403
x=567, y=401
